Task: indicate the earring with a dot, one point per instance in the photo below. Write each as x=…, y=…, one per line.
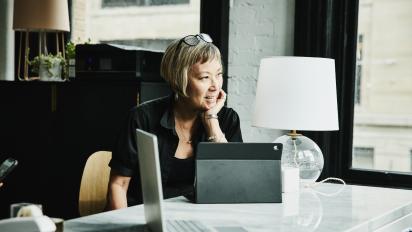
x=176, y=96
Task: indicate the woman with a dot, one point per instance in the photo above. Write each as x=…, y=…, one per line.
x=194, y=113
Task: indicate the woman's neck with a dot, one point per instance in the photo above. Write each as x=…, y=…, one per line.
x=183, y=112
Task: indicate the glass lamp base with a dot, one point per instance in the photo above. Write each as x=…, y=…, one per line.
x=302, y=152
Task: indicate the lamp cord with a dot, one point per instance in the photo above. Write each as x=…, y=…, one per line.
x=313, y=185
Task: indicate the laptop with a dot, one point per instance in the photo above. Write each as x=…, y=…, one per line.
x=238, y=173
x=153, y=194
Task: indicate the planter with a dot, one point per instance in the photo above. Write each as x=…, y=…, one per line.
x=49, y=67
x=50, y=70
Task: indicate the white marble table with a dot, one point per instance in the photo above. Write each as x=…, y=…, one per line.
x=329, y=207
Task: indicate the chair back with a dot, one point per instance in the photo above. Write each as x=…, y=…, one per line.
x=93, y=187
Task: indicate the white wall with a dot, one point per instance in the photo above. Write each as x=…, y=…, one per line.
x=6, y=40
x=257, y=29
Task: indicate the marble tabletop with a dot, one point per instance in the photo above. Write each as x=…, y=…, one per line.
x=326, y=207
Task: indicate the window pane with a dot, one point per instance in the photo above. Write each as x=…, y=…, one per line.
x=150, y=24
x=383, y=92
x=410, y=154
x=363, y=157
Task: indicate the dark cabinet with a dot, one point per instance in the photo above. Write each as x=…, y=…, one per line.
x=51, y=129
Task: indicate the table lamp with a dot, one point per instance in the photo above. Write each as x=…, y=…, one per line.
x=297, y=93
x=39, y=16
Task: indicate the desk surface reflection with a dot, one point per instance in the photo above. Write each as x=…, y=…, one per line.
x=327, y=207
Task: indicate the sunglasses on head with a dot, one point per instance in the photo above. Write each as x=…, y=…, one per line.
x=193, y=40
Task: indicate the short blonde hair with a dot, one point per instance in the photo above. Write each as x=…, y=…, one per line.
x=179, y=58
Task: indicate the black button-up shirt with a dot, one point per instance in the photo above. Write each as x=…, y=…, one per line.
x=156, y=117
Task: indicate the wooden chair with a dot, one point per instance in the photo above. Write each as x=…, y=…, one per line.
x=93, y=187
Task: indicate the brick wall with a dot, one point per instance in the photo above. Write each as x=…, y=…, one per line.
x=257, y=29
x=79, y=30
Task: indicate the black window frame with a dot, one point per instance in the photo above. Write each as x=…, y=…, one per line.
x=328, y=28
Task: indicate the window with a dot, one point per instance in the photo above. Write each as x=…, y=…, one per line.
x=151, y=24
x=383, y=91
x=410, y=161
x=370, y=42
x=358, y=75
x=363, y=157
x=157, y=44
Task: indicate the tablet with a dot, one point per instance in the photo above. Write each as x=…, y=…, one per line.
x=238, y=173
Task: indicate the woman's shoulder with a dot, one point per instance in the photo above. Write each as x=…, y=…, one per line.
x=149, y=114
x=158, y=104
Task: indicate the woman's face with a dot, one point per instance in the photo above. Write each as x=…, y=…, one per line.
x=204, y=84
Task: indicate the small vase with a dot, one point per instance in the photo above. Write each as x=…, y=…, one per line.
x=51, y=74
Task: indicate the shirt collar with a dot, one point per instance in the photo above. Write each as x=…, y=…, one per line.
x=167, y=120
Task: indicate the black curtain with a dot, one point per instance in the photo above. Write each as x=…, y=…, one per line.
x=214, y=20
x=328, y=28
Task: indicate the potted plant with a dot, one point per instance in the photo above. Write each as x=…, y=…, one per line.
x=48, y=66
x=71, y=62
x=70, y=70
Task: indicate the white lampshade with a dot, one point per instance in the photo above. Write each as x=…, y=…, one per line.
x=41, y=15
x=296, y=93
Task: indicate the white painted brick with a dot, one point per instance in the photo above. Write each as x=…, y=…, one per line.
x=239, y=39
x=254, y=3
x=242, y=14
x=247, y=86
x=233, y=87
x=242, y=29
x=244, y=57
x=238, y=70
x=257, y=29
x=269, y=8
x=267, y=45
x=265, y=28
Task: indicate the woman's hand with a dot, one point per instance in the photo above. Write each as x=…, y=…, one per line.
x=211, y=122
x=1, y=184
x=220, y=102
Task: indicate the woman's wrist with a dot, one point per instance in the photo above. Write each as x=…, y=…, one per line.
x=210, y=122
x=212, y=127
x=210, y=116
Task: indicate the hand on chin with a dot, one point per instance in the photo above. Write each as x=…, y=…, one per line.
x=209, y=105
